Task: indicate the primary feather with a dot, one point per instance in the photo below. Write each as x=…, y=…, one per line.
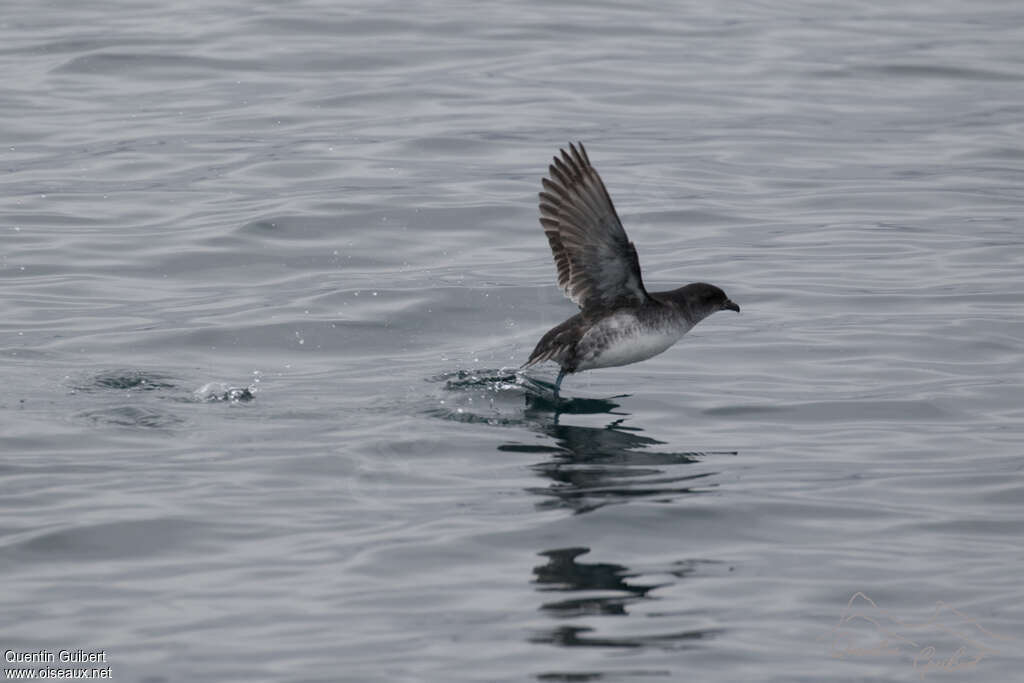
x=597, y=264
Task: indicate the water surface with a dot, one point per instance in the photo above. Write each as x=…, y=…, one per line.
x=267, y=271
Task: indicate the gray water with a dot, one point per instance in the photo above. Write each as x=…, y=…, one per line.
x=268, y=270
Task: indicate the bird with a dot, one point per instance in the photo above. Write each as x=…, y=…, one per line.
x=619, y=321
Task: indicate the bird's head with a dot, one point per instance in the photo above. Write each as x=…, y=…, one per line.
x=703, y=299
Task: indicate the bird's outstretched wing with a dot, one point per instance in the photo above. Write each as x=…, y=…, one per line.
x=597, y=264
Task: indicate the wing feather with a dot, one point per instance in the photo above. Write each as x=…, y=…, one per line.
x=596, y=263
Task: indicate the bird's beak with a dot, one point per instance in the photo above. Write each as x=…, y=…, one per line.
x=730, y=305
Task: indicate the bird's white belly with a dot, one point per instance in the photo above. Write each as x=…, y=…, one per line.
x=621, y=340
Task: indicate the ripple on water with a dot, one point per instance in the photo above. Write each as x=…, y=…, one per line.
x=837, y=411
x=134, y=380
x=110, y=540
x=143, y=397
x=134, y=417
x=126, y=380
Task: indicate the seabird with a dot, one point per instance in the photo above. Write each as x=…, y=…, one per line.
x=619, y=322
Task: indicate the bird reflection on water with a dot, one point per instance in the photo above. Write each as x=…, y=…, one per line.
x=591, y=467
x=587, y=468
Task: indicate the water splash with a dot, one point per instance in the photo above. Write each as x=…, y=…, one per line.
x=218, y=392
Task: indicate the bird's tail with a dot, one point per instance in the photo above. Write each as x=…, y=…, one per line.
x=542, y=353
x=529, y=363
